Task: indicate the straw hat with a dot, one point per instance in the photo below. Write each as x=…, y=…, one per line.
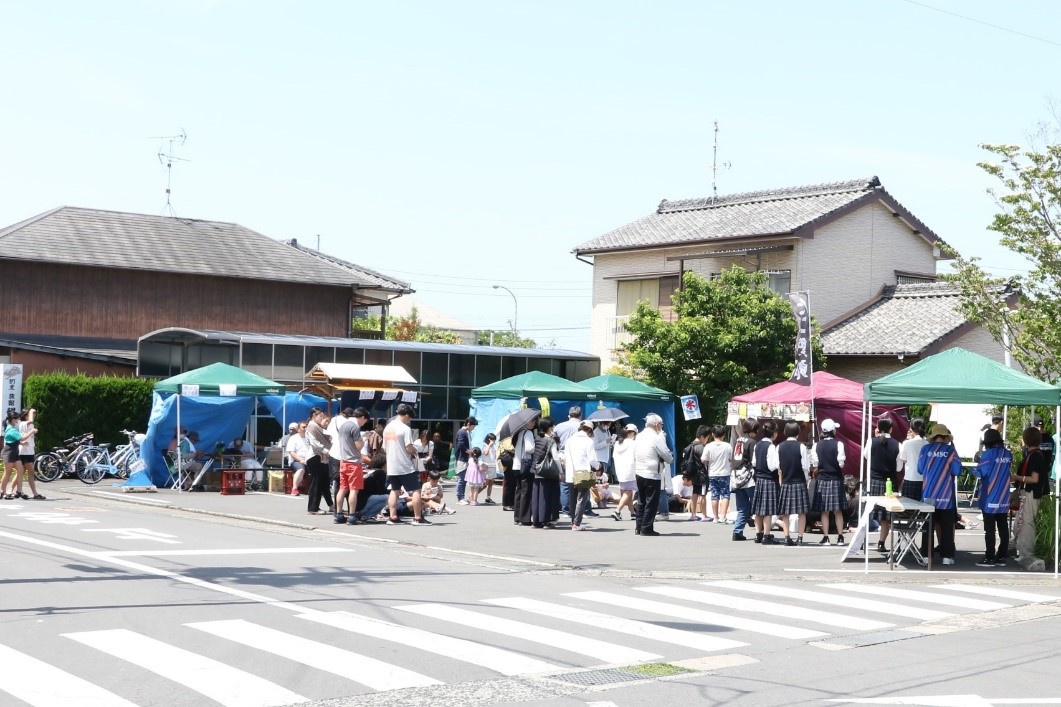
x=939, y=430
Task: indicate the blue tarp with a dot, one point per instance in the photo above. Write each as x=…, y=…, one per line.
x=491, y=411
x=298, y=406
x=215, y=419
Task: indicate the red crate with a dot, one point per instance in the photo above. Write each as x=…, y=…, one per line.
x=233, y=482
x=289, y=480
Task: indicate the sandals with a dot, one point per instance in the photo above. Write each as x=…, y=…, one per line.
x=9, y=497
x=38, y=497
x=23, y=496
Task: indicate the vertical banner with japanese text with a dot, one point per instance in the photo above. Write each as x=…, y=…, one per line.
x=11, y=374
x=802, y=371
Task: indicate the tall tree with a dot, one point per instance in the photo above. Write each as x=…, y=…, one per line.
x=732, y=335
x=1028, y=196
x=505, y=337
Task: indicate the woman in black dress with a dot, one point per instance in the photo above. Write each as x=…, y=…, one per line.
x=545, y=494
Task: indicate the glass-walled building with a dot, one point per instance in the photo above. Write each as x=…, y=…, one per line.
x=446, y=373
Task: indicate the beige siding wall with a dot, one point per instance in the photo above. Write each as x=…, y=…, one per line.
x=864, y=369
x=848, y=260
x=979, y=340
x=843, y=266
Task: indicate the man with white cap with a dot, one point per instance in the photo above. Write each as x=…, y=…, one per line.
x=827, y=459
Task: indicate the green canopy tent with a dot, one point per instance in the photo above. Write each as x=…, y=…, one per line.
x=960, y=376
x=533, y=384
x=615, y=387
x=215, y=380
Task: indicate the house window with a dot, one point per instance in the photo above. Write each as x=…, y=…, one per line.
x=779, y=281
x=657, y=290
x=913, y=279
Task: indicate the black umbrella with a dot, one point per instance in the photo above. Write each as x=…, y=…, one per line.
x=517, y=421
x=607, y=415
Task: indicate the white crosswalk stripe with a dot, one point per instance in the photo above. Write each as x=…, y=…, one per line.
x=924, y=597
x=221, y=683
x=42, y=685
x=499, y=660
x=706, y=617
x=619, y=624
x=601, y=650
x=347, y=664
x=996, y=592
x=833, y=599
x=740, y=603
x=582, y=624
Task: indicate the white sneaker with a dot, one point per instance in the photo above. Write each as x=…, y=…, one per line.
x=463, y=502
x=948, y=560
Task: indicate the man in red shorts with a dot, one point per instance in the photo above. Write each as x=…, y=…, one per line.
x=351, y=476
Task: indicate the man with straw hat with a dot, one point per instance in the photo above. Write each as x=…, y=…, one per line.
x=940, y=464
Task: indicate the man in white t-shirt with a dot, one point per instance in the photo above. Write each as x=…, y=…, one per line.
x=718, y=459
x=401, y=466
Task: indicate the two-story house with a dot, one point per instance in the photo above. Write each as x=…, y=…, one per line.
x=842, y=242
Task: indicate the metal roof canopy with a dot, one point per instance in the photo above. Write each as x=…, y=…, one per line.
x=731, y=252
x=188, y=336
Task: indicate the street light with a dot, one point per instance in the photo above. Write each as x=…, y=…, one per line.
x=515, y=305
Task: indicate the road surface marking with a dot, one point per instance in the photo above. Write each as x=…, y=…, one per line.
x=728, y=601
x=835, y=600
x=924, y=597
x=136, y=534
x=222, y=683
x=346, y=664
x=43, y=685
x=233, y=551
x=641, y=629
x=601, y=650
x=996, y=592
x=498, y=660
x=707, y=617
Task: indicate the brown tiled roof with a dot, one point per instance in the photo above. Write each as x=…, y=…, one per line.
x=759, y=213
x=113, y=239
x=905, y=319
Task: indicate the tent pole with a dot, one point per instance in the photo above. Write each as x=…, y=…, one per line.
x=179, y=485
x=863, y=467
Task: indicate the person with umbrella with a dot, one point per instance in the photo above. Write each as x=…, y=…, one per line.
x=519, y=427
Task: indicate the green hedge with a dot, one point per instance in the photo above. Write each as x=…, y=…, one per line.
x=69, y=405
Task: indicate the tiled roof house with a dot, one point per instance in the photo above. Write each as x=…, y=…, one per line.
x=841, y=241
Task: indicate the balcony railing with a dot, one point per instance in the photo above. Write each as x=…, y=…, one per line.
x=617, y=335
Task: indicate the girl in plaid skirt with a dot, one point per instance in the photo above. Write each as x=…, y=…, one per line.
x=790, y=457
x=767, y=490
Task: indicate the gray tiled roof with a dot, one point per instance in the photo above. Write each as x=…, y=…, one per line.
x=759, y=213
x=905, y=319
x=370, y=277
x=113, y=239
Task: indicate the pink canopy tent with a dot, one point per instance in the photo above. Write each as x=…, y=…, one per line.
x=835, y=398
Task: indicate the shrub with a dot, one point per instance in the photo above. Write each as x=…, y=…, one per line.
x=69, y=405
x=1044, y=531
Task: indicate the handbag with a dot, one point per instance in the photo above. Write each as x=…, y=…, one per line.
x=741, y=477
x=584, y=479
x=547, y=468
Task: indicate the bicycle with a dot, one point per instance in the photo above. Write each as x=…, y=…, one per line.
x=100, y=465
x=60, y=461
x=125, y=455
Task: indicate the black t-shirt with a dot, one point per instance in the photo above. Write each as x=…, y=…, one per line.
x=1035, y=462
x=883, y=454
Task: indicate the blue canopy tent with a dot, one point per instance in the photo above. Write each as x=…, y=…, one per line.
x=216, y=401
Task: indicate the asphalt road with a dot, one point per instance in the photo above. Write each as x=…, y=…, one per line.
x=192, y=599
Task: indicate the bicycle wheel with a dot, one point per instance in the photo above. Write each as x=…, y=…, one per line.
x=121, y=460
x=94, y=472
x=48, y=467
x=85, y=458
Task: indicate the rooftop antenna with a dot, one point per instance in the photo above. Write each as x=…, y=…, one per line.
x=167, y=157
x=715, y=166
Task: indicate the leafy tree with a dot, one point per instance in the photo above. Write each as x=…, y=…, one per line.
x=732, y=335
x=410, y=328
x=505, y=338
x=1029, y=223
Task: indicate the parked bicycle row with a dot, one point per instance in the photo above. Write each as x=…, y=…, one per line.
x=90, y=462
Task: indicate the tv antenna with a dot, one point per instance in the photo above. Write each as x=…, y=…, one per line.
x=167, y=157
x=715, y=166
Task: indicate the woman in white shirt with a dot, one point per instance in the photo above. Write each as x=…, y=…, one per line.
x=623, y=457
x=908, y=454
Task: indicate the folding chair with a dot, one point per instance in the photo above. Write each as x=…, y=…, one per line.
x=907, y=528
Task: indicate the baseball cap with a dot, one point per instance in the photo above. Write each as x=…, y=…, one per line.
x=585, y=425
x=829, y=425
x=1037, y=420
x=292, y=427
x=631, y=427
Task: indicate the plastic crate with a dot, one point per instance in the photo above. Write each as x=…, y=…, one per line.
x=278, y=481
x=233, y=482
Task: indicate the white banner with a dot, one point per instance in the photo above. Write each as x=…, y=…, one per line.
x=189, y=390
x=11, y=373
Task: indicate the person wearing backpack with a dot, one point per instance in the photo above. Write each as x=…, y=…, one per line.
x=742, y=482
x=693, y=468
x=1031, y=480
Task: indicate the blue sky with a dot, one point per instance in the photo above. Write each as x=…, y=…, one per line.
x=460, y=144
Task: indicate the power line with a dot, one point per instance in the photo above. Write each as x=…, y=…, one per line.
x=986, y=24
x=462, y=277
